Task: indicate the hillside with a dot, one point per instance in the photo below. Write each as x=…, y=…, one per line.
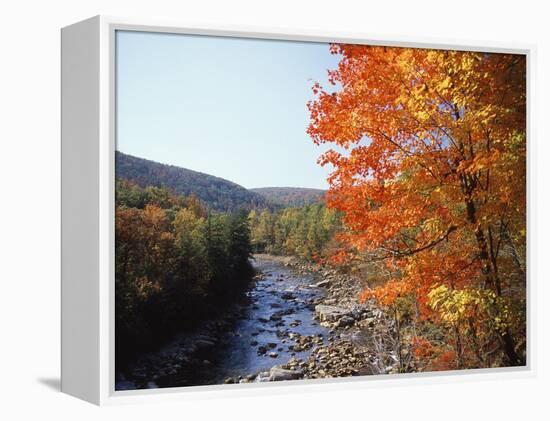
x=290, y=196
x=215, y=192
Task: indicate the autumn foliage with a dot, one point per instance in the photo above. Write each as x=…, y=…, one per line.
x=429, y=172
x=177, y=264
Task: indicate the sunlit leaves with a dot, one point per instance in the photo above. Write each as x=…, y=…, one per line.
x=439, y=187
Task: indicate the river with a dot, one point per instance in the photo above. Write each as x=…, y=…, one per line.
x=263, y=331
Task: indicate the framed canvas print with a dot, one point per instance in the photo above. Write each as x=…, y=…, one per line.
x=243, y=210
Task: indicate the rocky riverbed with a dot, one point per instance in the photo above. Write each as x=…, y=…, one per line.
x=298, y=321
x=359, y=341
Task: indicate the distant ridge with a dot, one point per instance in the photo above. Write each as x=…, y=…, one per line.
x=291, y=196
x=217, y=193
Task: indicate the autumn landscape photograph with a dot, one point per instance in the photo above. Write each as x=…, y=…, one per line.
x=298, y=210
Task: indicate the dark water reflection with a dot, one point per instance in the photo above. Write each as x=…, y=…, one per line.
x=281, y=294
x=278, y=309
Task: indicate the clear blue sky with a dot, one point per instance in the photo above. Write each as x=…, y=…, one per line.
x=230, y=107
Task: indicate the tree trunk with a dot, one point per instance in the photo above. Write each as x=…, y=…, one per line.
x=492, y=282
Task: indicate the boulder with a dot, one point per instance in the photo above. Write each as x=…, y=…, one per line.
x=263, y=377
x=275, y=317
x=278, y=373
x=345, y=321
x=203, y=343
x=321, y=284
x=330, y=313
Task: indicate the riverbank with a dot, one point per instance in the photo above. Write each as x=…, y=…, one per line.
x=360, y=340
x=272, y=323
x=297, y=321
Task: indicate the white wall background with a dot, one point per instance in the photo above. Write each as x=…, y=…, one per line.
x=29, y=207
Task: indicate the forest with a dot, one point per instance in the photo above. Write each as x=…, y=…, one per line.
x=291, y=196
x=420, y=240
x=177, y=263
x=306, y=232
x=215, y=192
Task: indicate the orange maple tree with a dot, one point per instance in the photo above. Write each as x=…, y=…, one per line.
x=429, y=172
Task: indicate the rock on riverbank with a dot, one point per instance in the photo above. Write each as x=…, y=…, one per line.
x=358, y=336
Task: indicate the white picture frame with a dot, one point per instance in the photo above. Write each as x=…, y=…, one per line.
x=88, y=145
